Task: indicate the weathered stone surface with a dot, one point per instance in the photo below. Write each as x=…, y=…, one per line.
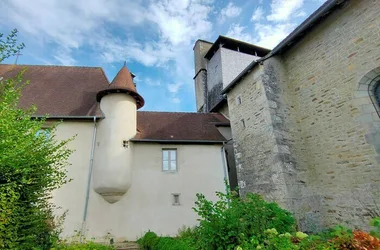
x=310, y=138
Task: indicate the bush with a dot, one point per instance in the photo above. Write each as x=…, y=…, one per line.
x=150, y=241
x=83, y=246
x=231, y=220
x=32, y=165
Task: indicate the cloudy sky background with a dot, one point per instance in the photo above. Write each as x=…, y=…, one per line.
x=154, y=37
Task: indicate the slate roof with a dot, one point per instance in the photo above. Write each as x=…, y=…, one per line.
x=70, y=91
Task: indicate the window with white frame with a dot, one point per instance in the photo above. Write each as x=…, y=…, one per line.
x=169, y=160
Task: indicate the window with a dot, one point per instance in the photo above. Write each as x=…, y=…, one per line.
x=377, y=93
x=238, y=100
x=176, y=200
x=169, y=160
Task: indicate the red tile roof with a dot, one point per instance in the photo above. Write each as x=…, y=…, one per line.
x=122, y=83
x=179, y=126
x=62, y=91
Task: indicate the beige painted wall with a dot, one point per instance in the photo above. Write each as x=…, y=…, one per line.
x=147, y=205
x=71, y=197
x=112, y=161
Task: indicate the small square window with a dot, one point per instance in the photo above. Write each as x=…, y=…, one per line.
x=169, y=160
x=176, y=200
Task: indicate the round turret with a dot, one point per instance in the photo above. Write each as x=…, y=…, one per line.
x=122, y=83
x=113, y=157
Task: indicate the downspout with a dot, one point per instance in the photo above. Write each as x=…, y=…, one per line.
x=88, y=182
x=223, y=154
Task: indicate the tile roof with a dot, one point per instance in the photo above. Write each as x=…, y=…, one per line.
x=60, y=90
x=179, y=126
x=123, y=83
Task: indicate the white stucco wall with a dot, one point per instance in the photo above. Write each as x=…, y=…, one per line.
x=71, y=196
x=233, y=63
x=147, y=205
x=112, y=161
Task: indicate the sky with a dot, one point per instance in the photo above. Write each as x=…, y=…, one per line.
x=154, y=37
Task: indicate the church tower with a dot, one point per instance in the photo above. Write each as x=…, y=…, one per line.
x=113, y=157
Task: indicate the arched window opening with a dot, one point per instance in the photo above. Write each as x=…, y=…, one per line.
x=376, y=92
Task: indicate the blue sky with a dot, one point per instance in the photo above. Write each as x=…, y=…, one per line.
x=155, y=37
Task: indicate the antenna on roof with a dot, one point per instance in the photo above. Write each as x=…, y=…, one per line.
x=17, y=55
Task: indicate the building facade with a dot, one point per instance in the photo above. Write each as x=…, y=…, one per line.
x=305, y=116
x=132, y=171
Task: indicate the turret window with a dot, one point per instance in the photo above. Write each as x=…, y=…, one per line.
x=169, y=160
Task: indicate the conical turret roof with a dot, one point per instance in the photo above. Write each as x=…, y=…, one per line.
x=122, y=83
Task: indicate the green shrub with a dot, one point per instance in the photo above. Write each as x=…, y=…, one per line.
x=168, y=243
x=148, y=241
x=32, y=165
x=83, y=246
x=375, y=222
x=232, y=220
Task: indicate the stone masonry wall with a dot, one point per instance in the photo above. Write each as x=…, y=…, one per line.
x=259, y=169
x=335, y=125
x=306, y=133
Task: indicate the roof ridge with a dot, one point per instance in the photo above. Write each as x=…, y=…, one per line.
x=50, y=65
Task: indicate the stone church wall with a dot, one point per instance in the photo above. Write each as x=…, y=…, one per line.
x=305, y=132
x=336, y=124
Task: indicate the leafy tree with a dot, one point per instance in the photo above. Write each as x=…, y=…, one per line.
x=32, y=165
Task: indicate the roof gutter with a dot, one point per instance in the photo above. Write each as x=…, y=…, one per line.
x=179, y=141
x=290, y=39
x=68, y=117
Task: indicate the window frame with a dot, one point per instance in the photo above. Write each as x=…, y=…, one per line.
x=169, y=160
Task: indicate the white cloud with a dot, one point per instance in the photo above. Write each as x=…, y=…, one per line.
x=238, y=32
x=180, y=21
x=266, y=35
x=64, y=58
x=270, y=35
x=258, y=14
x=174, y=87
x=301, y=14
x=151, y=82
x=229, y=11
x=176, y=100
x=282, y=10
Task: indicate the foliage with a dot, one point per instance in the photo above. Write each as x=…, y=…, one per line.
x=231, y=220
x=9, y=46
x=83, y=246
x=244, y=224
x=375, y=222
x=365, y=241
x=32, y=165
x=150, y=241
